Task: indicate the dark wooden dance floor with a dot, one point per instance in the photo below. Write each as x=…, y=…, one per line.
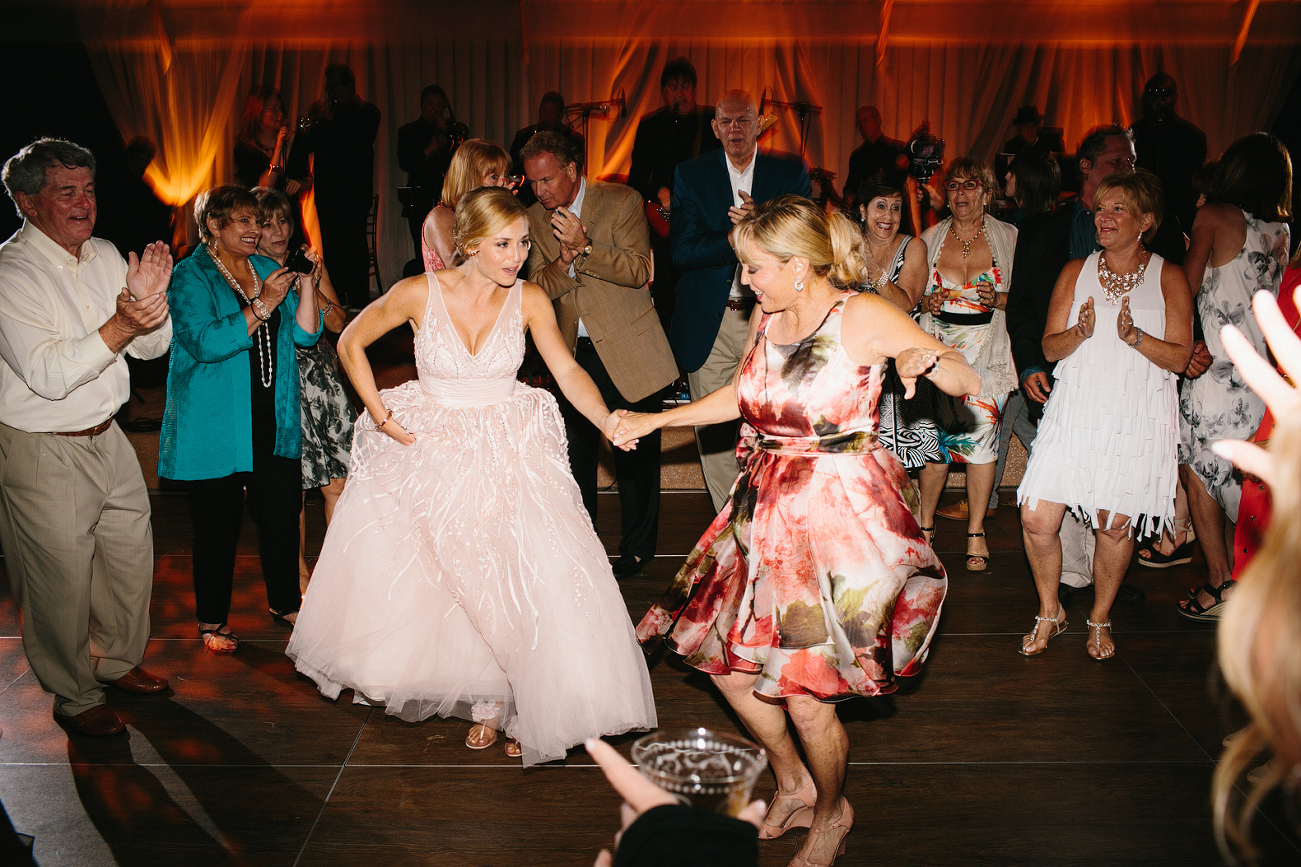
x=987, y=758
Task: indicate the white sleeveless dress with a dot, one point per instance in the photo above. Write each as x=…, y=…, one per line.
x=462, y=572
x=1110, y=431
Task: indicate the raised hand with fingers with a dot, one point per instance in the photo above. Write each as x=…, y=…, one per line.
x=1282, y=398
x=1084, y=325
x=1125, y=328
x=149, y=273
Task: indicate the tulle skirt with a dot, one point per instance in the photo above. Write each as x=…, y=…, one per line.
x=461, y=577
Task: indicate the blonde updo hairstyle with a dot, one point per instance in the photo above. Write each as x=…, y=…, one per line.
x=475, y=158
x=790, y=226
x=481, y=214
x=1140, y=190
x=1259, y=637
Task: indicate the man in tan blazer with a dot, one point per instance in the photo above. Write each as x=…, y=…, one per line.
x=591, y=253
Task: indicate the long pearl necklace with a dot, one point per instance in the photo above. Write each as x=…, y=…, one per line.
x=966, y=245
x=266, y=360
x=1115, y=286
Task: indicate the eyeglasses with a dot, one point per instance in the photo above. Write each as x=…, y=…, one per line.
x=954, y=186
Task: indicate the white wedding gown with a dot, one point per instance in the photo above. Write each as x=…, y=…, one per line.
x=462, y=570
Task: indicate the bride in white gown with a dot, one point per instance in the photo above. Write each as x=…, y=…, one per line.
x=461, y=575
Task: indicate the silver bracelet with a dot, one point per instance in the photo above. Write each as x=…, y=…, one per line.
x=1135, y=344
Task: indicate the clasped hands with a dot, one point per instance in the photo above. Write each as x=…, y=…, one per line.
x=142, y=305
x=570, y=232
x=623, y=428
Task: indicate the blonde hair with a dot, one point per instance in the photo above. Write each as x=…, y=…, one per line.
x=475, y=158
x=1140, y=190
x=482, y=213
x=790, y=226
x=1257, y=643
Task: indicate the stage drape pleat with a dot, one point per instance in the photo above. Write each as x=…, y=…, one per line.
x=968, y=92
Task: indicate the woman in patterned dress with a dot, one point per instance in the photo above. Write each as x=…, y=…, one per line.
x=327, y=412
x=896, y=270
x=476, y=163
x=970, y=267
x=1239, y=247
x=814, y=583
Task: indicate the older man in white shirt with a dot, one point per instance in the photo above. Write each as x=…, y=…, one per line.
x=74, y=512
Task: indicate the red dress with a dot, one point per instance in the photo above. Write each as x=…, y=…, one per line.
x=815, y=575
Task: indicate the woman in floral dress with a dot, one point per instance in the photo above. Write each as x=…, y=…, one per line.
x=970, y=267
x=814, y=583
x=1239, y=247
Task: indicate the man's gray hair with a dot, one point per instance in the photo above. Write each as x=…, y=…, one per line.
x=25, y=170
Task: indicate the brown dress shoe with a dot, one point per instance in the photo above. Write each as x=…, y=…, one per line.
x=139, y=680
x=959, y=512
x=98, y=722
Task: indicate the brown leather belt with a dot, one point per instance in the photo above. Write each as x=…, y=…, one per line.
x=88, y=432
x=742, y=304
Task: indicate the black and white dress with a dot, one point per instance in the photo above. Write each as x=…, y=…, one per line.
x=908, y=426
x=328, y=415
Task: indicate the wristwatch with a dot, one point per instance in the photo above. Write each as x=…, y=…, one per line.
x=581, y=259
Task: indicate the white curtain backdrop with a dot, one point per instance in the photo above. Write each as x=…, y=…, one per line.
x=187, y=96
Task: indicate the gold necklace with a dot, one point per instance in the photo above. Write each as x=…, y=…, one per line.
x=966, y=245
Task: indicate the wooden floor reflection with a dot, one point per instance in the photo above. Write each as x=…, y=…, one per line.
x=987, y=758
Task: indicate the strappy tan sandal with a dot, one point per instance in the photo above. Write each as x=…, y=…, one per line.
x=1059, y=626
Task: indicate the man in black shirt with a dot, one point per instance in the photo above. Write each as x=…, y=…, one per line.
x=551, y=116
x=666, y=137
x=1169, y=147
x=341, y=136
x=875, y=154
x=425, y=149
x=1027, y=123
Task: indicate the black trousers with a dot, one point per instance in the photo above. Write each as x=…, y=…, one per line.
x=637, y=472
x=343, y=235
x=275, y=493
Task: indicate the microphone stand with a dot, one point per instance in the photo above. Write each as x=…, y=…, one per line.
x=585, y=110
x=803, y=109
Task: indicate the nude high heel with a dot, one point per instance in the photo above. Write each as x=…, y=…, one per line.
x=845, y=822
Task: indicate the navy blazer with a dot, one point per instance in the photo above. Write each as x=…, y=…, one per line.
x=705, y=262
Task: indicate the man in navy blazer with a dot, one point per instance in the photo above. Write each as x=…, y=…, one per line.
x=711, y=193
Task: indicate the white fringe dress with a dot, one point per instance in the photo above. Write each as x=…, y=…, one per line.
x=1109, y=437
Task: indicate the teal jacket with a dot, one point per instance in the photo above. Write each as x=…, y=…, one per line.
x=208, y=423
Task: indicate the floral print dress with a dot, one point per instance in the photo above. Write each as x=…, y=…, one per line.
x=968, y=425
x=1218, y=404
x=815, y=575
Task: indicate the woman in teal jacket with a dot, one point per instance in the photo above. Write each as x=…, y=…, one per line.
x=232, y=423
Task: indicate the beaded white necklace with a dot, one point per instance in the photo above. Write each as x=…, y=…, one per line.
x=266, y=360
x=1116, y=286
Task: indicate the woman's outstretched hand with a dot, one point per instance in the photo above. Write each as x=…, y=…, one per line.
x=1278, y=393
x=640, y=794
x=912, y=363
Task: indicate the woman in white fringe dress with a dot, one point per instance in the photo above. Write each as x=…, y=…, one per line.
x=1107, y=445
x=461, y=575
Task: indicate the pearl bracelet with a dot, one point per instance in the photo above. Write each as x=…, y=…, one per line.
x=385, y=421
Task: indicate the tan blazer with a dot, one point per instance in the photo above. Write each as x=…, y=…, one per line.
x=610, y=292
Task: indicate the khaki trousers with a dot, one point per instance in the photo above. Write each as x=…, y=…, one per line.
x=74, y=522
x=717, y=442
